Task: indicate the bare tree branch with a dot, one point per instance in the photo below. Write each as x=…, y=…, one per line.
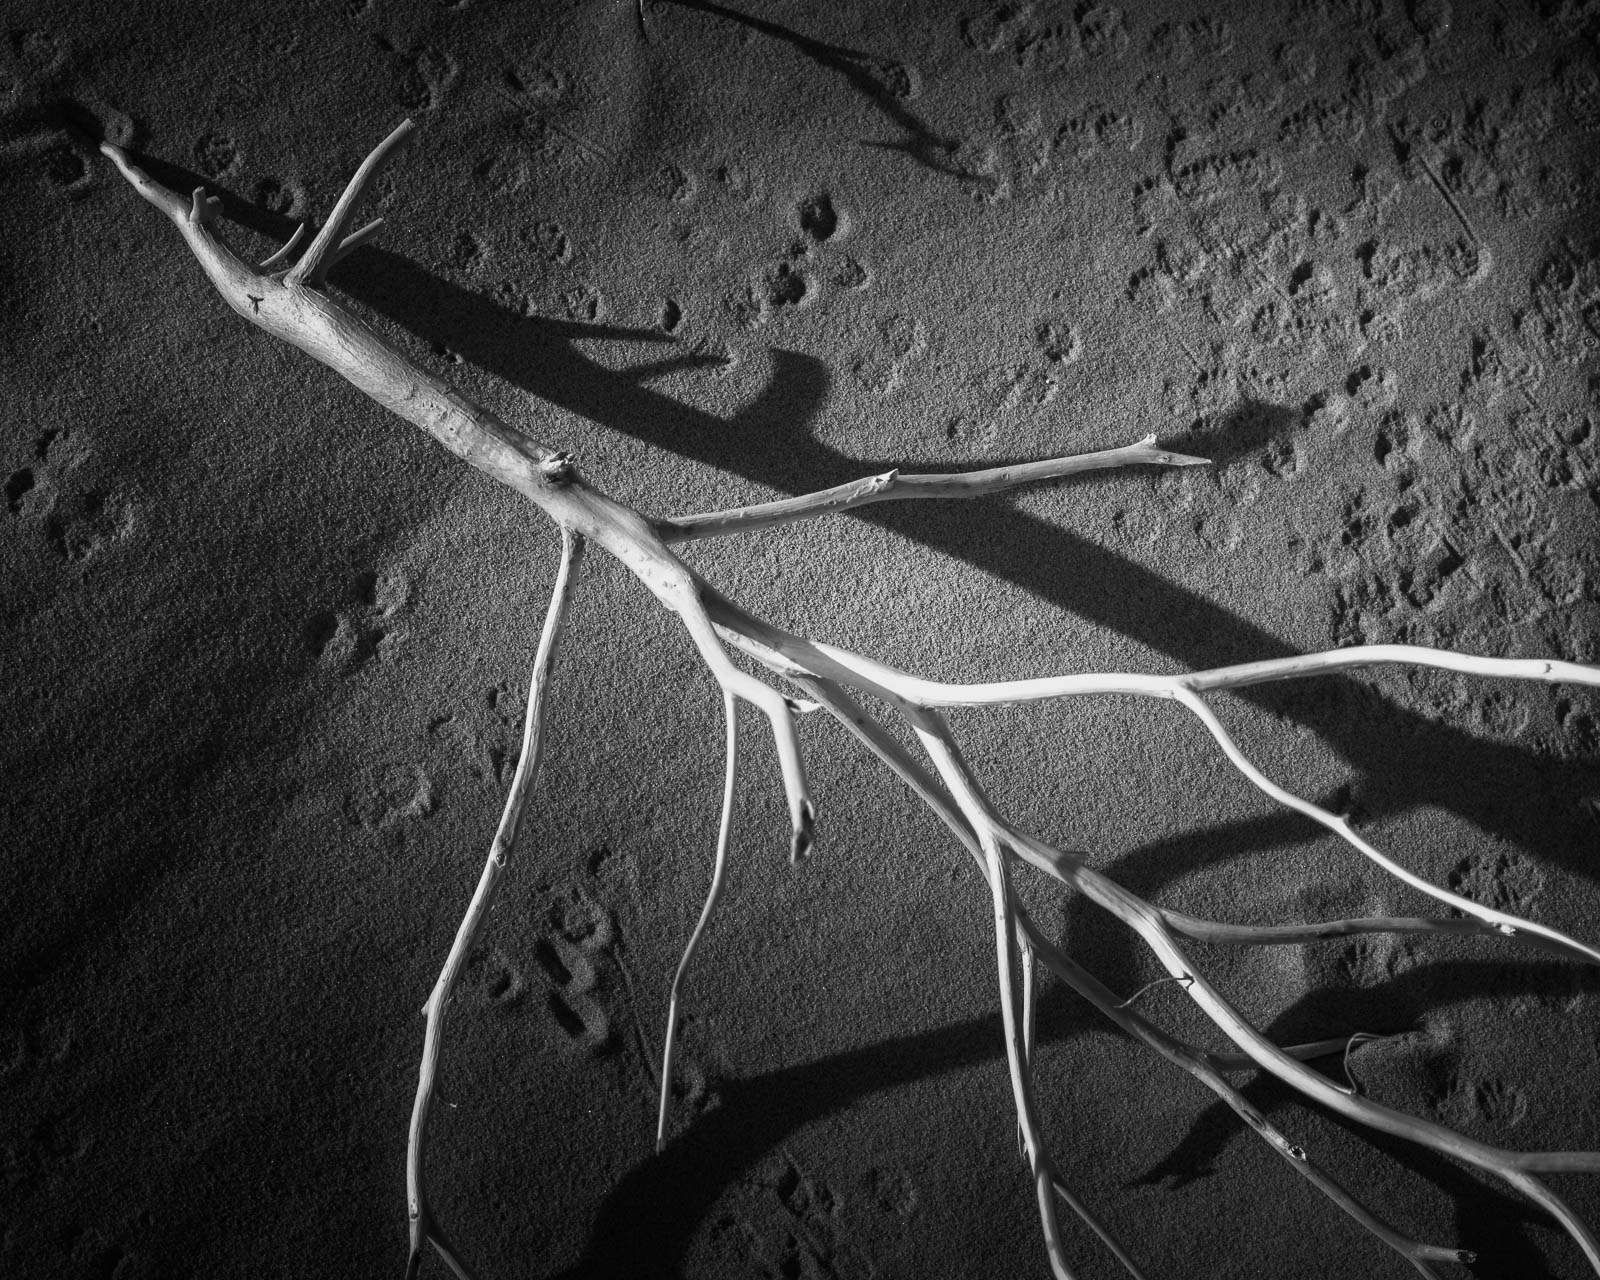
x=293, y=306
x=894, y=486
x=424, y=1229
x=719, y=874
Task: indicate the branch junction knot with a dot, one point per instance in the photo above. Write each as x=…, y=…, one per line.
x=558, y=468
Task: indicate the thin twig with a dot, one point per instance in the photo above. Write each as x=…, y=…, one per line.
x=424, y=1228
x=941, y=748
x=1156, y=982
x=894, y=486
x=1275, y=935
x=780, y=712
x=713, y=898
x=1030, y=998
x=354, y=241
x=1510, y=925
x=284, y=250
x=1359, y=1037
x=1107, y=1237
x=1308, y=1052
x=856, y=669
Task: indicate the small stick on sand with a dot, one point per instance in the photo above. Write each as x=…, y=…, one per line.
x=424, y=1227
x=719, y=873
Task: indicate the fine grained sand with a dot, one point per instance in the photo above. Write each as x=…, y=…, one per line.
x=265, y=647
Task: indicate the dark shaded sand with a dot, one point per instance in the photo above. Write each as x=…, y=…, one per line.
x=265, y=647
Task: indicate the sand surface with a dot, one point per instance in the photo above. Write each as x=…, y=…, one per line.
x=265, y=647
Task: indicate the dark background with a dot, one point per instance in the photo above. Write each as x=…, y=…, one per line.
x=264, y=647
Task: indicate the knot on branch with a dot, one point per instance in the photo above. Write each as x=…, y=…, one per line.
x=202, y=208
x=558, y=468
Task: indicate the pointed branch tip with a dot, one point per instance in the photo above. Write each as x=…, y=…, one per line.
x=1185, y=978
x=332, y=242
x=284, y=250
x=804, y=834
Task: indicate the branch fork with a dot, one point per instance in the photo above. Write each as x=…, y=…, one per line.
x=293, y=304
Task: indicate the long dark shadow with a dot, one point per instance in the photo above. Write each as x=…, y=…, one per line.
x=1492, y=1222
x=1401, y=758
x=645, y=1225
x=885, y=83
x=1499, y=1226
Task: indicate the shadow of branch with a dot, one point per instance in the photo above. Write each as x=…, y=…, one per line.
x=1402, y=759
x=883, y=82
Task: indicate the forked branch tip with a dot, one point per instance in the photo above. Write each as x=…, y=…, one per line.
x=333, y=241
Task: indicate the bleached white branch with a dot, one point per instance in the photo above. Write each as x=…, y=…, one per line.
x=425, y=1229
x=719, y=874
x=293, y=306
x=896, y=486
x=816, y=666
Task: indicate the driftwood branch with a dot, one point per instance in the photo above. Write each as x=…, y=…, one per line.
x=719, y=873
x=1205, y=1066
x=292, y=304
x=895, y=486
x=425, y=1229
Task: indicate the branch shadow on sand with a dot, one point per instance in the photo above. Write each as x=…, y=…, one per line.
x=883, y=82
x=1508, y=1234
x=1402, y=758
x=645, y=1227
x=1342, y=997
x=647, y=1224
x=769, y=443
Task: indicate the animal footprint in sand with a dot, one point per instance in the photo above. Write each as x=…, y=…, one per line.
x=792, y=1226
x=496, y=980
x=491, y=751
x=422, y=76
x=365, y=628
x=572, y=952
x=880, y=364
x=390, y=795
x=1507, y=882
x=1490, y=1102
x=76, y=525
